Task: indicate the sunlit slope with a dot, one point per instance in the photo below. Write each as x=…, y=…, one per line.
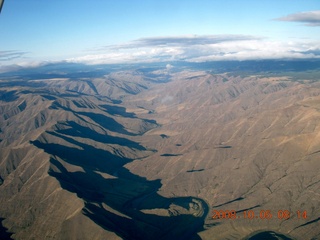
x=151, y=154
x=240, y=144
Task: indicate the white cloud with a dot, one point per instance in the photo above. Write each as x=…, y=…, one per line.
x=311, y=18
x=200, y=49
x=169, y=66
x=250, y=50
x=24, y=64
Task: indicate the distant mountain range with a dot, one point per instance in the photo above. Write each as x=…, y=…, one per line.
x=75, y=70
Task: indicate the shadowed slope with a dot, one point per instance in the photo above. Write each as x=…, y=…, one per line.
x=123, y=192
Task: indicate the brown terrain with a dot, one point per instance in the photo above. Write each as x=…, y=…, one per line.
x=133, y=155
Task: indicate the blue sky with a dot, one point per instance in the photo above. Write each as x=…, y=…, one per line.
x=115, y=31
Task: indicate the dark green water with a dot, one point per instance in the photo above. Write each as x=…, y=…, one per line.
x=4, y=235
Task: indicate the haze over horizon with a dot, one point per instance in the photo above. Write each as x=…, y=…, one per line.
x=99, y=32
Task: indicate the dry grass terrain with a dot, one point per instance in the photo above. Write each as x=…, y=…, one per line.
x=132, y=155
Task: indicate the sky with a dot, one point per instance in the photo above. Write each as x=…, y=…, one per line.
x=125, y=31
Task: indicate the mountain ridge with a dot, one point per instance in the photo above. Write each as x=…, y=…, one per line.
x=142, y=153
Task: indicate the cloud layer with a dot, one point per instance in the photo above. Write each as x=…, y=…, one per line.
x=10, y=55
x=308, y=18
x=182, y=41
x=200, y=49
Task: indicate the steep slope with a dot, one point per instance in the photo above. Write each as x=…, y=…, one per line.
x=62, y=175
x=152, y=154
x=239, y=144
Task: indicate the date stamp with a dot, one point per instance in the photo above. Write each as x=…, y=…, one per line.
x=262, y=214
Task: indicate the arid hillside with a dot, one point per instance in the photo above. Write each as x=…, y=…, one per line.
x=240, y=144
x=156, y=154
